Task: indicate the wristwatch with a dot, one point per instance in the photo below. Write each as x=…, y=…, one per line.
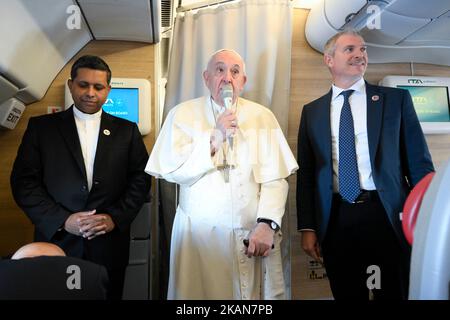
x=272, y=224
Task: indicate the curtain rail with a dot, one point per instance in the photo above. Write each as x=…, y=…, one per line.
x=199, y=5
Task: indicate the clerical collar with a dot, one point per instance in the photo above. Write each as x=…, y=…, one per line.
x=358, y=86
x=86, y=116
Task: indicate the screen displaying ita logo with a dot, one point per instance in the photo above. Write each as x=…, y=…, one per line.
x=123, y=103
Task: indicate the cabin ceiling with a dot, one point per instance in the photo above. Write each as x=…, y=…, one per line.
x=131, y=20
x=402, y=30
x=39, y=37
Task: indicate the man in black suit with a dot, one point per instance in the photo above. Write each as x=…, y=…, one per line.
x=360, y=150
x=79, y=175
x=41, y=271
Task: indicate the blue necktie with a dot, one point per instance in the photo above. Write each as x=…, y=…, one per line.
x=348, y=166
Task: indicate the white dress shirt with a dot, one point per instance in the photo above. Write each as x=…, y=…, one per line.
x=88, y=126
x=358, y=105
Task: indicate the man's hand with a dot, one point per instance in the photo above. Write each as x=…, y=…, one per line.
x=71, y=225
x=260, y=241
x=92, y=226
x=226, y=126
x=227, y=123
x=310, y=245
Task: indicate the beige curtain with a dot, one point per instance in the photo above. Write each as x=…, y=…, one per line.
x=260, y=31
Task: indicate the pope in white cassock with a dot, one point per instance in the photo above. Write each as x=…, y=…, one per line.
x=231, y=161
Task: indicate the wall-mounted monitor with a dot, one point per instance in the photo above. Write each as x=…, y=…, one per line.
x=129, y=99
x=431, y=99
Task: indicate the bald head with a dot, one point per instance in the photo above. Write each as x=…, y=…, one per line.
x=36, y=249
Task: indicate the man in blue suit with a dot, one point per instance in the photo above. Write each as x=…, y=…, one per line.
x=356, y=170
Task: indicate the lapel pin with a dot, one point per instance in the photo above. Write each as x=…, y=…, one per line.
x=106, y=132
x=375, y=97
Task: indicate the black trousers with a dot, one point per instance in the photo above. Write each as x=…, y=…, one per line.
x=359, y=237
x=112, y=251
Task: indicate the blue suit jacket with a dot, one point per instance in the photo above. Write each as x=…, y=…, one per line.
x=399, y=156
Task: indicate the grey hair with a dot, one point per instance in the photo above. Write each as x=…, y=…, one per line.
x=330, y=45
x=223, y=50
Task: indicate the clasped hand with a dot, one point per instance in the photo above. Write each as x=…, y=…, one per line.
x=88, y=224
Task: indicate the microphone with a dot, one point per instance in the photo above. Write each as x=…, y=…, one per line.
x=227, y=97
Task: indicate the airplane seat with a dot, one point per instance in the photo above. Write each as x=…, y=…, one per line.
x=430, y=257
x=412, y=206
x=137, y=274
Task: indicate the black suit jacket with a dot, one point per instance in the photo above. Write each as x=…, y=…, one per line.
x=399, y=156
x=48, y=277
x=49, y=183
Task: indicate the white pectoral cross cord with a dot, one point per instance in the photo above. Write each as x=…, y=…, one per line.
x=225, y=168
